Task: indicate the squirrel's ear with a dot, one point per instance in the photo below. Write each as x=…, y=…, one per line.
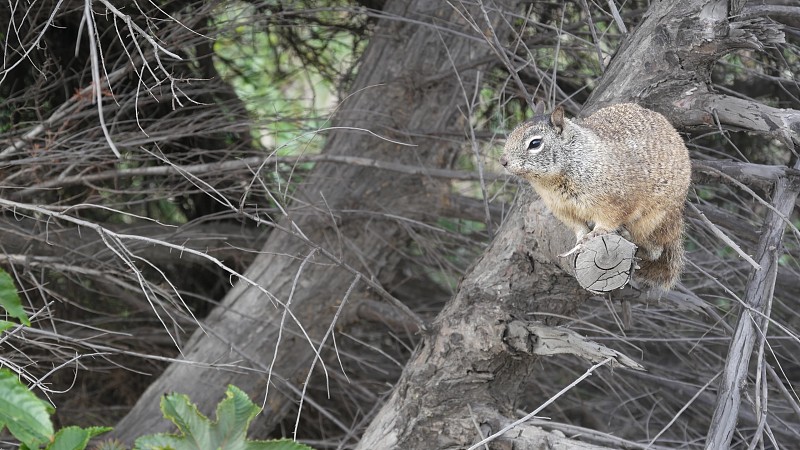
x=538, y=109
x=557, y=119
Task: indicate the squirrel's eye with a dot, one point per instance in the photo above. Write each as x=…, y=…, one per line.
x=535, y=143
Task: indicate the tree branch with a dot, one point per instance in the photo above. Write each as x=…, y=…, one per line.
x=255, y=165
x=752, y=317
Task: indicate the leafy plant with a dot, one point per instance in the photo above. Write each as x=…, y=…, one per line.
x=111, y=444
x=9, y=300
x=196, y=432
x=74, y=438
x=27, y=417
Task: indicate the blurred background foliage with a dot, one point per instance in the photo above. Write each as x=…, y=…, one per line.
x=289, y=71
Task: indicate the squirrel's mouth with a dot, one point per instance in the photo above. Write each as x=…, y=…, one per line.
x=515, y=170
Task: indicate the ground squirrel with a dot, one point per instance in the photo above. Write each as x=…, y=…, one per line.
x=622, y=169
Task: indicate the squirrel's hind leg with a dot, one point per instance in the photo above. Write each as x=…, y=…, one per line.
x=651, y=252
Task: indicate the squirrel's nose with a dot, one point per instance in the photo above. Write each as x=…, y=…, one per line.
x=503, y=161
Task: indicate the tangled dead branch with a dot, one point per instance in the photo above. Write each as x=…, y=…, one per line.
x=138, y=185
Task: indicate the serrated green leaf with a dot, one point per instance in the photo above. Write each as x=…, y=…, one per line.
x=234, y=415
x=110, y=444
x=197, y=432
x=281, y=444
x=180, y=410
x=75, y=438
x=9, y=299
x=161, y=441
x=26, y=415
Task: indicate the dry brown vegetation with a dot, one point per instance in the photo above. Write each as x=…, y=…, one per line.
x=164, y=231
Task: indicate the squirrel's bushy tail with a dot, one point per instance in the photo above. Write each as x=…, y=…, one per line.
x=665, y=271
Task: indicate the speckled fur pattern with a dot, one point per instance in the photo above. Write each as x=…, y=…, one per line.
x=623, y=168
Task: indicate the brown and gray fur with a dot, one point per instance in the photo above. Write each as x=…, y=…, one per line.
x=622, y=169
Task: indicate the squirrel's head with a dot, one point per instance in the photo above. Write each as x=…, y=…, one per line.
x=535, y=148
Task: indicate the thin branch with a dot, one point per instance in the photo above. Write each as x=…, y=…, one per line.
x=247, y=163
x=130, y=23
x=91, y=31
x=33, y=45
x=533, y=413
x=594, y=36
x=119, y=238
x=760, y=288
x=322, y=343
x=724, y=237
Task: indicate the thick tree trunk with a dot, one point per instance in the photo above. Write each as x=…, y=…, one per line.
x=467, y=362
x=465, y=377
x=412, y=77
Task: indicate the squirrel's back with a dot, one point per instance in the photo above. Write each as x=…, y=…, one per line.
x=639, y=138
x=623, y=168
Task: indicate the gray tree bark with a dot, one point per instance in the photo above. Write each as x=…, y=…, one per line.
x=414, y=76
x=464, y=378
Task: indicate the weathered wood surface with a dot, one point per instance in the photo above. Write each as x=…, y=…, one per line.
x=406, y=82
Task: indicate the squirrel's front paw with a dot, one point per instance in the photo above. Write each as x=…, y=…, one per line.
x=598, y=231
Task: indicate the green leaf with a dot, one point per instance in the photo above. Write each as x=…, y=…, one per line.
x=110, y=444
x=9, y=299
x=282, y=444
x=75, y=438
x=197, y=432
x=160, y=441
x=5, y=325
x=26, y=415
